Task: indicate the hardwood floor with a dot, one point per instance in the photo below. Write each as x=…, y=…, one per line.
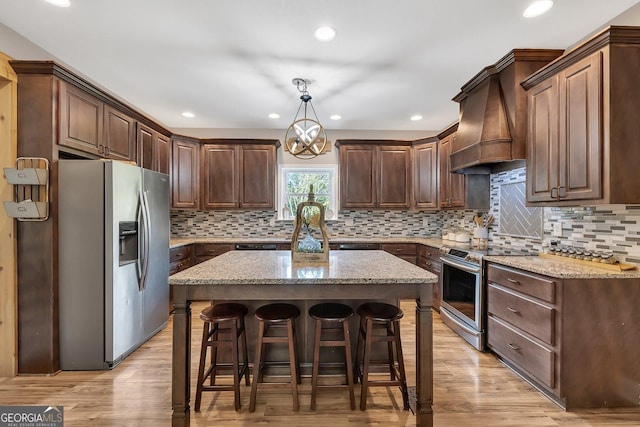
x=470, y=389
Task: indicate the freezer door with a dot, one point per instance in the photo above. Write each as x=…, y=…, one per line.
x=123, y=297
x=156, y=288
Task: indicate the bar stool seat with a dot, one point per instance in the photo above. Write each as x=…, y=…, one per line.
x=376, y=316
x=333, y=314
x=272, y=316
x=214, y=318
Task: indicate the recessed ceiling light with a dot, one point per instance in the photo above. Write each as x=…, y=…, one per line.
x=537, y=8
x=274, y=116
x=335, y=117
x=188, y=115
x=325, y=34
x=416, y=117
x=60, y=3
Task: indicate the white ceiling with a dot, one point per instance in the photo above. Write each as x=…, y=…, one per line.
x=231, y=62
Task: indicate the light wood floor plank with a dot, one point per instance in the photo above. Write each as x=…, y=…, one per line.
x=471, y=389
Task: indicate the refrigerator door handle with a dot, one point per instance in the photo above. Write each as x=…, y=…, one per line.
x=139, y=261
x=147, y=234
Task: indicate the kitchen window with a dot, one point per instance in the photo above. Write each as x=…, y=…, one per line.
x=294, y=188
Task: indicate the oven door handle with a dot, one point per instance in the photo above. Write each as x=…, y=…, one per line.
x=462, y=267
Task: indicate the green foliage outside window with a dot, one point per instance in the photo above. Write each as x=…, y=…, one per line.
x=297, y=188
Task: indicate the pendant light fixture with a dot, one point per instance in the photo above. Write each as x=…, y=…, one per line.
x=305, y=138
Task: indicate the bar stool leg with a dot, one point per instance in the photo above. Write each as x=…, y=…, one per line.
x=293, y=361
x=392, y=371
x=245, y=354
x=236, y=364
x=316, y=361
x=365, y=371
x=348, y=371
x=214, y=353
x=356, y=366
x=203, y=356
x=403, y=375
x=257, y=367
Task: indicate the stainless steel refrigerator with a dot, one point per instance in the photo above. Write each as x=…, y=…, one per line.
x=113, y=233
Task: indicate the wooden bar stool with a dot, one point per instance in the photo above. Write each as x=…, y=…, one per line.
x=273, y=316
x=333, y=314
x=231, y=316
x=375, y=316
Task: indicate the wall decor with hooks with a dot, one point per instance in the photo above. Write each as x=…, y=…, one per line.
x=30, y=180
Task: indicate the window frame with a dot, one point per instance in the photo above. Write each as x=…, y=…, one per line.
x=282, y=187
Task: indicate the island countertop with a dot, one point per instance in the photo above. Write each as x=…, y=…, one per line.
x=275, y=267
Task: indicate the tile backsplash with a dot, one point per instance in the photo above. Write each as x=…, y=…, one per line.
x=606, y=228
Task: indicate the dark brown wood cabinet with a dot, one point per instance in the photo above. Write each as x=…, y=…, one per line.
x=238, y=174
x=154, y=149
x=406, y=251
x=81, y=120
x=206, y=251
x=425, y=174
x=185, y=155
x=429, y=259
x=89, y=125
x=565, y=155
x=119, y=135
x=576, y=339
x=580, y=123
x=375, y=174
x=452, y=185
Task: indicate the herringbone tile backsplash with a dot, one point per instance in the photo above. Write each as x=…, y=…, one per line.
x=614, y=228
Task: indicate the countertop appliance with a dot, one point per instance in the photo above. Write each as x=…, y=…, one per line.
x=113, y=260
x=463, y=306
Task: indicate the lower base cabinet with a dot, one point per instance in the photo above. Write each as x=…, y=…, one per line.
x=575, y=339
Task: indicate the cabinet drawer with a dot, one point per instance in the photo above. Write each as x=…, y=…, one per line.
x=528, y=283
x=179, y=253
x=530, y=356
x=400, y=248
x=429, y=252
x=175, y=267
x=532, y=317
x=211, y=249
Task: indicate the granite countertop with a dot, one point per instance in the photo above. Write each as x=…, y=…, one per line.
x=183, y=241
x=275, y=268
x=561, y=269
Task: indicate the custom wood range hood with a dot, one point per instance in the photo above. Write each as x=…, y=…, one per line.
x=493, y=112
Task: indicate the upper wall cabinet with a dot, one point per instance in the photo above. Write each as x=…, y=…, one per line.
x=451, y=187
x=90, y=125
x=425, y=173
x=375, y=174
x=64, y=114
x=238, y=174
x=582, y=124
x=185, y=178
x=154, y=149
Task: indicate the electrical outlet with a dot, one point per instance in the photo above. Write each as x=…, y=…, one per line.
x=189, y=222
x=556, y=229
x=425, y=222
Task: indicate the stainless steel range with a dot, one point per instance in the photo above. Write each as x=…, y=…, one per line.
x=463, y=306
x=463, y=294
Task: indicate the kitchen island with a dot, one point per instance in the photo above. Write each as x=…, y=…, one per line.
x=270, y=276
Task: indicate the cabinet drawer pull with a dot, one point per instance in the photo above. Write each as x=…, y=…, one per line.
x=514, y=281
x=513, y=310
x=514, y=347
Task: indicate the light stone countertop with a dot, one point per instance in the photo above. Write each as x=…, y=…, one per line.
x=430, y=241
x=560, y=269
x=275, y=268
